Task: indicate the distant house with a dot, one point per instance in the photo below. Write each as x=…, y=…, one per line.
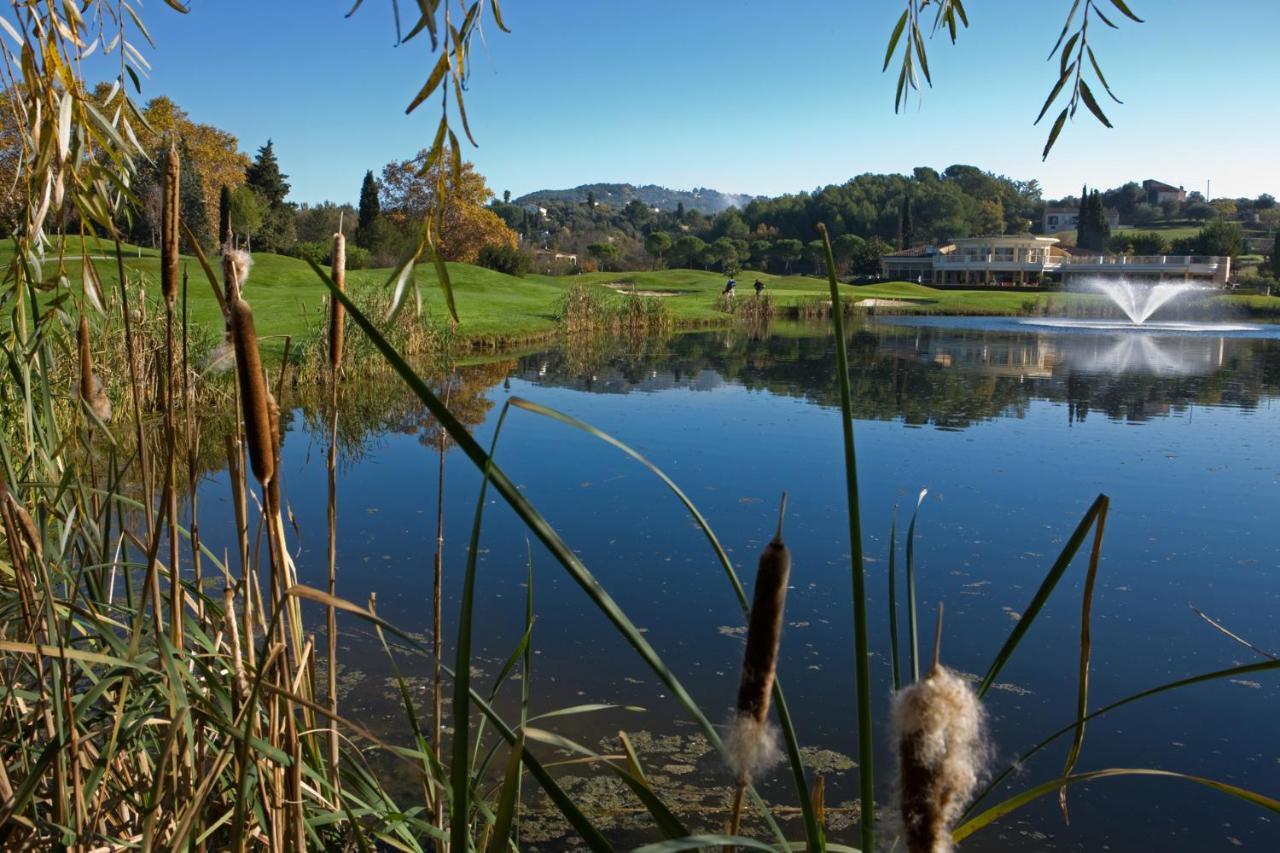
x=1019, y=261
x=1058, y=219
x=1159, y=192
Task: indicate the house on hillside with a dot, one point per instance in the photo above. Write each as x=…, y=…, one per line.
x=1026, y=261
x=1159, y=192
x=1058, y=219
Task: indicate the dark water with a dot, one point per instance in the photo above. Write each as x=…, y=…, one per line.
x=1014, y=430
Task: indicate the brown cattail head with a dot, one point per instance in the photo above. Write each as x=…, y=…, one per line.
x=90, y=386
x=752, y=743
x=253, y=392
x=86, y=360
x=224, y=218
x=169, y=228
x=336, y=311
x=940, y=729
x=235, y=272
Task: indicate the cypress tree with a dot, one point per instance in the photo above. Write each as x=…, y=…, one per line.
x=1275, y=257
x=907, y=227
x=1083, y=238
x=369, y=210
x=679, y=211
x=224, y=217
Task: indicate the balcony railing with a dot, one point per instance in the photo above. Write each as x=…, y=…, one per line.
x=1179, y=261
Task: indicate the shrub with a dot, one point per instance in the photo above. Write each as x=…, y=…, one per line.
x=504, y=259
x=317, y=251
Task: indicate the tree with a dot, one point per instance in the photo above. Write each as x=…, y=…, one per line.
x=277, y=232
x=679, y=211
x=603, y=253
x=845, y=247
x=686, y=251
x=191, y=201
x=407, y=193
x=815, y=253
x=319, y=222
x=908, y=229
x=1147, y=243
x=224, y=216
x=786, y=251
x=655, y=243
x=1092, y=230
x=725, y=254
x=1265, y=201
x=369, y=210
x=991, y=217
x=1199, y=211
x=506, y=196
x=1275, y=256
x=1224, y=239
x=866, y=258
x=760, y=251
x=247, y=209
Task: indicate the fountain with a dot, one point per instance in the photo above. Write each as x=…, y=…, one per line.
x=1139, y=301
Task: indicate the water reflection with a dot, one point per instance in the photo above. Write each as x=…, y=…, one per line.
x=940, y=375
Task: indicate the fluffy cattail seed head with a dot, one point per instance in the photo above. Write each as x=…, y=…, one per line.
x=940, y=729
x=235, y=272
x=751, y=740
x=253, y=392
x=90, y=386
x=336, y=312
x=169, y=219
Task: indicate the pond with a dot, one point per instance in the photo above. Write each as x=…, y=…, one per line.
x=1014, y=429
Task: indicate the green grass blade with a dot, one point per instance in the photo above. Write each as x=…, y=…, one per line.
x=1042, y=594
x=460, y=771
x=701, y=842
x=861, y=650
x=507, y=800
x=542, y=530
x=1016, y=802
x=893, y=604
x=912, y=629
x=1232, y=672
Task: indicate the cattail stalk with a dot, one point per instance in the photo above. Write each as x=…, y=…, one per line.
x=337, y=313
x=169, y=228
x=752, y=744
x=253, y=392
x=336, y=319
x=939, y=725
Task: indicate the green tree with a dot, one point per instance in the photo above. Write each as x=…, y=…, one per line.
x=844, y=248
x=191, y=201
x=815, y=255
x=277, y=232
x=787, y=251
x=246, y=213
x=603, y=253
x=656, y=243
x=725, y=254
x=687, y=251
x=1224, y=239
x=1275, y=256
x=760, y=251
x=369, y=210
x=1148, y=243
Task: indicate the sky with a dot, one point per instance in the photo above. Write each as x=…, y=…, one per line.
x=742, y=96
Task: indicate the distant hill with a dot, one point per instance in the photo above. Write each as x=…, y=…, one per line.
x=617, y=196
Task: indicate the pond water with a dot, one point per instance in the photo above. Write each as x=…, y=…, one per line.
x=1014, y=429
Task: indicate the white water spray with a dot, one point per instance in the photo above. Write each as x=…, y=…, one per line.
x=1140, y=301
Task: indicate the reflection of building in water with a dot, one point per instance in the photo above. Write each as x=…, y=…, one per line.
x=1021, y=357
x=1024, y=260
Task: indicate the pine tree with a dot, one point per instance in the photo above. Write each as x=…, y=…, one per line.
x=369, y=210
x=191, y=205
x=264, y=176
x=224, y=217
x=907, y=227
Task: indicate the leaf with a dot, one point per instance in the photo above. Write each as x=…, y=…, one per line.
x=1065, y=27
x=497, y=16
x=398, y=280
x=1124, y=10
x=507, y=800
x=433, y=82
x=1016, y=802
x=1092, y=104
x=92, y=284
x=1053, y=134
x=8, y=28
x=1050, y=581
x=208, y=270
x=1053, y=93
x=911, y=588
x=893, y=41
x=64, y=126
x=1066, y=52
x=1103, y=80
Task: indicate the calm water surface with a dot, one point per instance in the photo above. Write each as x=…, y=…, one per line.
x=1013, y=429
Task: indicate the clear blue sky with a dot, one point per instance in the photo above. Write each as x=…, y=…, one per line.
x=746, y=96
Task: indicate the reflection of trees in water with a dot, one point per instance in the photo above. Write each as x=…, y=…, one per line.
x=951, y=378
x=381, y=403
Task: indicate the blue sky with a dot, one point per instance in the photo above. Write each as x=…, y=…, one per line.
x=745, y=96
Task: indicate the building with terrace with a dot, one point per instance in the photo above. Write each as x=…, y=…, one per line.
x=1028, y=261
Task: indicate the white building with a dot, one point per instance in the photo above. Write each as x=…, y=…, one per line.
x=1057, y=219
x=1026, y=261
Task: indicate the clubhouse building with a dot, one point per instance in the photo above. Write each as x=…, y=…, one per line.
x=1029, y=261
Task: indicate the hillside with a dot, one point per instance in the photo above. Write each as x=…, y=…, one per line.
x=617, y=196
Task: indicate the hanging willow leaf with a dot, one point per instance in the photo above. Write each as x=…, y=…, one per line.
x=1124, y=9
x=1089, y=101
x=1101, y=79
x=1054, y=92
x=893, y=40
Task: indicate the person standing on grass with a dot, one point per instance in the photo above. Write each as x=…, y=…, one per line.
x=759, y=288
x=728, y=288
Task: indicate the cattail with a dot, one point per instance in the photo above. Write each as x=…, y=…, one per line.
x=235, y=272
x=752, y=743
x=336, y=311
x=253, y=392
x=90, y=386
x=169, y=226
x=940, y=728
